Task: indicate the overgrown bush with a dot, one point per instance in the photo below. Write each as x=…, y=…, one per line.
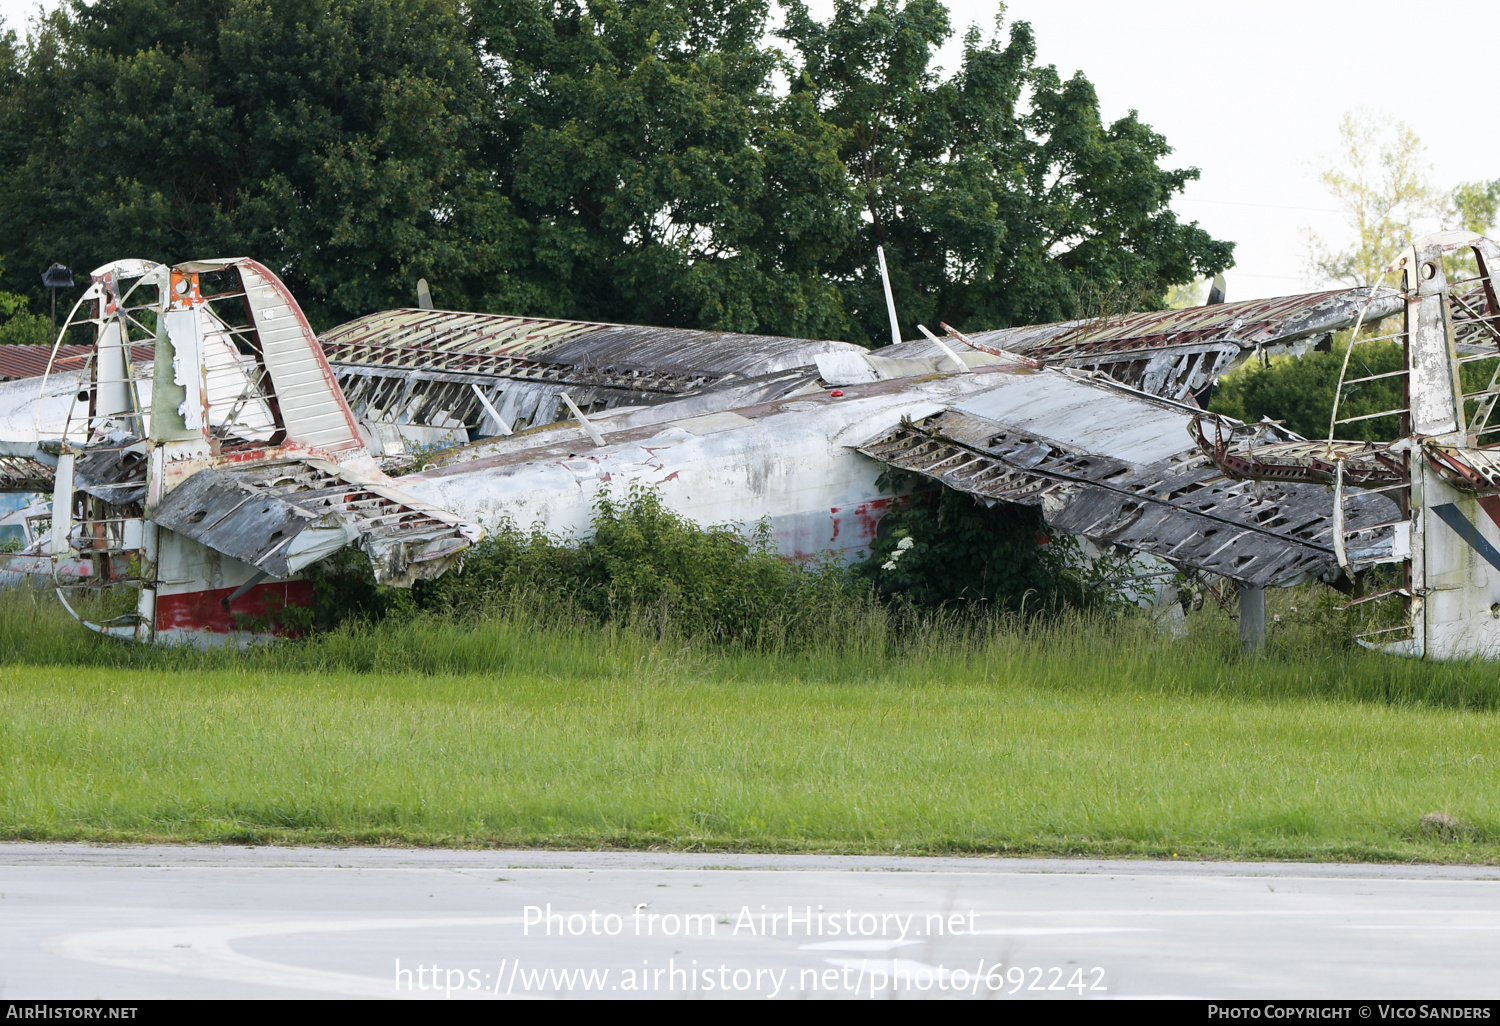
x=645, y=567
x=945, y=549
x=651, y=569
x=18, y=326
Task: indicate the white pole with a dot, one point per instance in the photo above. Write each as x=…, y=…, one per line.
x=489, y=408
x=947, y=349
x=583, y=421
x=890, y=300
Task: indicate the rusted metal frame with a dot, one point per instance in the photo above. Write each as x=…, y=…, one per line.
x=1480, y=419
x=1004, y=354
x=469, y=334
x=1468, y=476
x=1371, y=416
x=373, y=512
x=528, y=369
x=473, y=330
x=978, y=434
x=1307, y=462
x=461, y=359
x=1306, y=471
x=1123, y=346
x=1475, y=318
x=403, y=404
x=1041, y=471
x=1164, y=322
x=22, y=474
x=1492, y=304
x=1259, y=320
x=996, y=487
x=375, y=392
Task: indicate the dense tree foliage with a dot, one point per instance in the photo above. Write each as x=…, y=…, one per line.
x=649, y=173
x=655, y=161
x=18, y=325
x=999, y=195
x=330, y=139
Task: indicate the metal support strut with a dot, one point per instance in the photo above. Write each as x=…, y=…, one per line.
x=1252, y=618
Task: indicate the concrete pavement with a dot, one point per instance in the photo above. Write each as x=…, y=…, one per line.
x=82, y=921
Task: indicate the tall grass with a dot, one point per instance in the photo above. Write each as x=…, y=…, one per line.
x=1308, y=654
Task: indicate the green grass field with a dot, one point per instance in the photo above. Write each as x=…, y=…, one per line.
x=1086, y=737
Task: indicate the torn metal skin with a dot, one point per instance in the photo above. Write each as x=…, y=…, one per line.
x=415, y=377
x=1179, y=353
x=1183, y=509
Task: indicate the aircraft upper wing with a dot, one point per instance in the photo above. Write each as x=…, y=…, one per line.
x=1178, y=353
x=428, y=368
x=409, y=371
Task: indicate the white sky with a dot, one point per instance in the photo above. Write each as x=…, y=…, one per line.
x=1251, y=92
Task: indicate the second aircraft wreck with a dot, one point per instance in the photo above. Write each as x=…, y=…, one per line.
x=208, y=448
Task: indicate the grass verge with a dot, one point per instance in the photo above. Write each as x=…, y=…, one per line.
x=1085, y=737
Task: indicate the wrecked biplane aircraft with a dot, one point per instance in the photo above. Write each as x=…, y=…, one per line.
x=1098, y=422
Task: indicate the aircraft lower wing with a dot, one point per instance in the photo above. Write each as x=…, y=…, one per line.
x=25, y=467
x=282, y=517
x=1007, y=446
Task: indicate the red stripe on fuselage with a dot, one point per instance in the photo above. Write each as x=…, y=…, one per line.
x=206, y=610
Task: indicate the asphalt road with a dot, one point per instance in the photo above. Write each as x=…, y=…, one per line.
x=136, y=922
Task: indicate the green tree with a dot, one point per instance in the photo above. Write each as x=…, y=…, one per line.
x=651, y=161
x=1381, y=182
x=999, y=194
x=651, y=173
x=335, y=140
x=1473, y=206
x=18, y=325
x=947, y=549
